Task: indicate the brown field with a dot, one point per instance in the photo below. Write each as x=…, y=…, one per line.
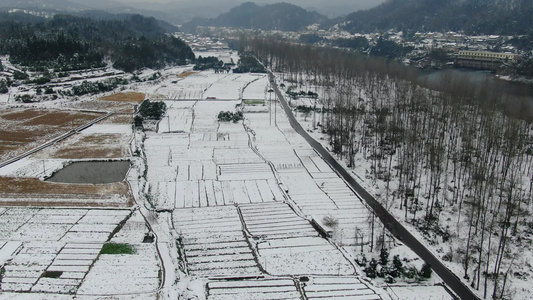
x=61, y=118
x=113, y=106
x=118, y=119
x=185, y=74
x=21, y=130
x=24, y=114
x=132, y=97
x=34, y=192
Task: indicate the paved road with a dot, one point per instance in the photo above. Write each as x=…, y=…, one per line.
x=395, y=228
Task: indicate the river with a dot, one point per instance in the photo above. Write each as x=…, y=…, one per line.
x=515, y=92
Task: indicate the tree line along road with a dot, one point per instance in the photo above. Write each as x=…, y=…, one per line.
x=394, y=227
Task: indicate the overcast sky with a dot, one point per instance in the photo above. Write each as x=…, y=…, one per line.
x=328, y=7
x=367, y=3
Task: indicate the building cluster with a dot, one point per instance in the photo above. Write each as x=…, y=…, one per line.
x=203, y=42
x=484, y=51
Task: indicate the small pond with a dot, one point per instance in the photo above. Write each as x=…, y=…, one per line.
x=92, y=172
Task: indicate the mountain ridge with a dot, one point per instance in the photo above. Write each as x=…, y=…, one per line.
x=278, y=16
x=510, y=17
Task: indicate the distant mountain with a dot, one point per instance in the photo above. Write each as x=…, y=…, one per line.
x=68, y=42
x=59, y=5
x=507, y=17
x=100, y=15
x=32, y=11
x=278, y=16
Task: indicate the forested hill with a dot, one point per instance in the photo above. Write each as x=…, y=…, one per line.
x=68, y=42
x=507, y=17
x=278, y=16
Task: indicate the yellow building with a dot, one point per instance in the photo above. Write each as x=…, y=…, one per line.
x=486, y=56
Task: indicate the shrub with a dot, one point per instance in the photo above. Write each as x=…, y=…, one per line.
x=41, y=80
x=361, y=260
x=370, y=271
x=226, y=116
x=397, y=269
x=152, y=110
x=411, y=273
x=138, y=121
x=3, y=87
x=426, y=271
x=18, y=75
x=330, y=221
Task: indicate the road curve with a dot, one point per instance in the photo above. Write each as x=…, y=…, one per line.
x=395, y=228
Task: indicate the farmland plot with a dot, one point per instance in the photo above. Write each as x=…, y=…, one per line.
x=23, y=129
x=257, y=90
x=177, y=119
x=87, y=145
x=229, y=86
x=212, y=165
x=214, y=242
x=132, y=97
x=123, y=274
x=35, y=192
x=339, y=287
x=311, y=183
x=288, y=245
x=267, y=289
x=189, y=88
x=32, y=168
x=104, y=106
x=225, y=183
x=272, y=144
x=52, y=250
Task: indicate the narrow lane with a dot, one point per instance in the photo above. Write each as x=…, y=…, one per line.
x=395, y=228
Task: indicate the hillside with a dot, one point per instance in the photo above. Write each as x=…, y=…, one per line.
x=278, y=16
x=511, y=17
x=69, y=42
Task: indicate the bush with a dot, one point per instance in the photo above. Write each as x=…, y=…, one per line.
x=152, y=110
x=397, y=267
x=205, y=63
x=226, y=116
x=411, y=273
x=3, y=87
x=426, y=271
x=24, y=98
x=18, y=75
x=370, y=271
x=107, y=85
x=138, y=121
x=41, y=80
x=248, y=63
x=330, y=221
x=361, y=260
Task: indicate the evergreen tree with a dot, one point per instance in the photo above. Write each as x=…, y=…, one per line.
x=384, y=257
x=370, y=271
x=397, y=269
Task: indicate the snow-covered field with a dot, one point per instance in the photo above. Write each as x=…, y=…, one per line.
x=221, y=200
x=55, y=250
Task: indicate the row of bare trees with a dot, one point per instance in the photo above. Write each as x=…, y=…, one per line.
x=457, y=160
